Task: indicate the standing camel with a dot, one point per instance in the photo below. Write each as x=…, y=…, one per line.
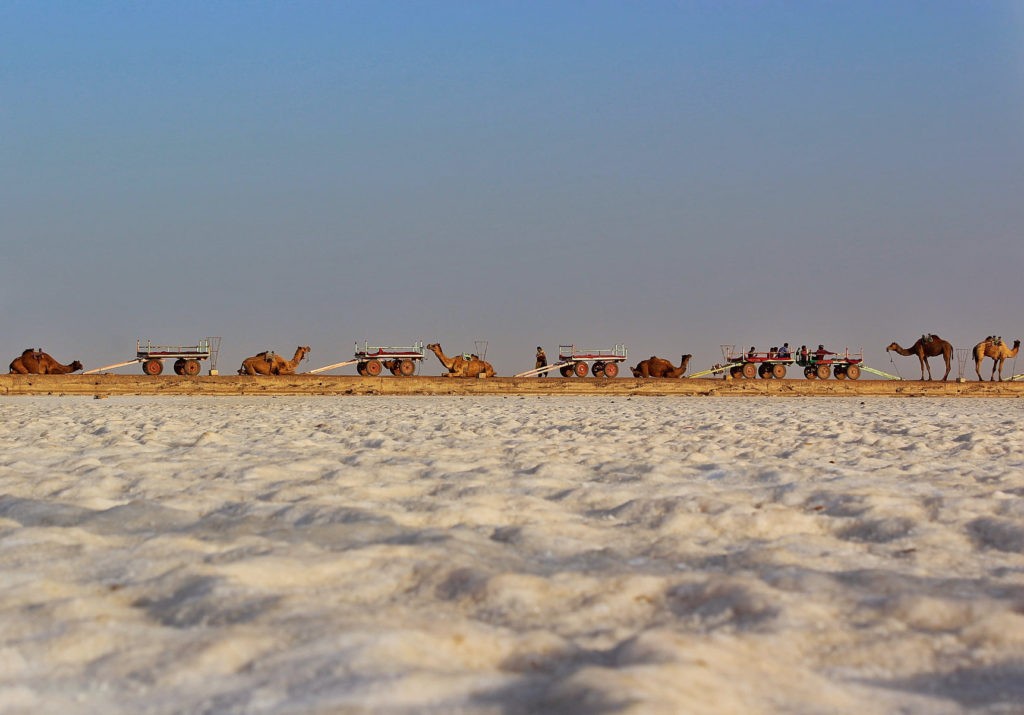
x=459, y=366
x=927, y=347
x=36, y=362
x=659, y=367
x=998, y=351
x=269, y=363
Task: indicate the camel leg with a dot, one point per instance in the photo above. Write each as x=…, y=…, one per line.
x=977, y=369
x=924, y=364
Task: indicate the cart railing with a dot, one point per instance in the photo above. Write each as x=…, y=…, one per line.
x=571, y=352
x=367, y=350
x=148, y=348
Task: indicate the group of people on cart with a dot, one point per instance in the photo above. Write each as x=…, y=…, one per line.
x=804, y=356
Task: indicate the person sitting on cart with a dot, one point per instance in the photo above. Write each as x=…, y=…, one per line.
x=541, y=361
x=783, y=352
x=773, y=353
x=751, y=353
x=821, y=352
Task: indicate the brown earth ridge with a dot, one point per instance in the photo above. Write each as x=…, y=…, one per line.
x=111, y=385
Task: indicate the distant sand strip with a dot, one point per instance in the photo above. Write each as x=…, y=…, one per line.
x=108, y=385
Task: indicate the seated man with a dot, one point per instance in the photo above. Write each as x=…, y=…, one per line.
x=783, y=352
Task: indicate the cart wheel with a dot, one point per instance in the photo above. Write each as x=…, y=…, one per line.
x=153, y=367
x=179, y=366
x=191, y=368
x=597, y=369
x=736, y=371
x=749, y=370
x=778, y=371
x=822, y=372
x=373, y=367
x=840, y=372
x=852, y=372
x=566, y=370
x=809, y=373
x=406, y=368
x=611, y=370
x=580, y=369
x=764, y=371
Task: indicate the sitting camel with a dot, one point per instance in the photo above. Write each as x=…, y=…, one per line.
x=997, y=350
x=459, y=366
x=36, y=362
x=927, y=346
x=659, y=367
x=270, y=363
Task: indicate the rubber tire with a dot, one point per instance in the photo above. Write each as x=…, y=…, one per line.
x=153, y=367
x=822, y=372
x=749, y=370
x=840, y=372
x=580, y=369
x=736, y=371
x=764, y=371
x=597, y=369
x=406, y=368
x=361, y=369
x=373, y=368
x=191, y=368
x=566, y=370
x=179, y=366
x=778, y=371
x=853, y=372
x=809, y=373
x=611, y=370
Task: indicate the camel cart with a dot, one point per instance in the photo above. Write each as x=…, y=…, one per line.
x=370, y=360
x=186, y=357
x=769, y=365
x=600, y=362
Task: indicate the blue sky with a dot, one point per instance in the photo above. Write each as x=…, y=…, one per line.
x=669, y=175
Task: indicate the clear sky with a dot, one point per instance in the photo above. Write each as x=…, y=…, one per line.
x=668, y=175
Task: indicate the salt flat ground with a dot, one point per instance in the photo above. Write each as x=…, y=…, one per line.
x=511, y=555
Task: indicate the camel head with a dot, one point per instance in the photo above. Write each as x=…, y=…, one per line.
x=892, y=347
x=75, y=365
x=1016, y=344
x=635, y=371
x=434, y=346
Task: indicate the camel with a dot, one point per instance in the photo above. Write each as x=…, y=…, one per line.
x=459, y=366
x=36, y=362
x=270, y=363
x=927, y=347
x=998, y=351
x=658, y=367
